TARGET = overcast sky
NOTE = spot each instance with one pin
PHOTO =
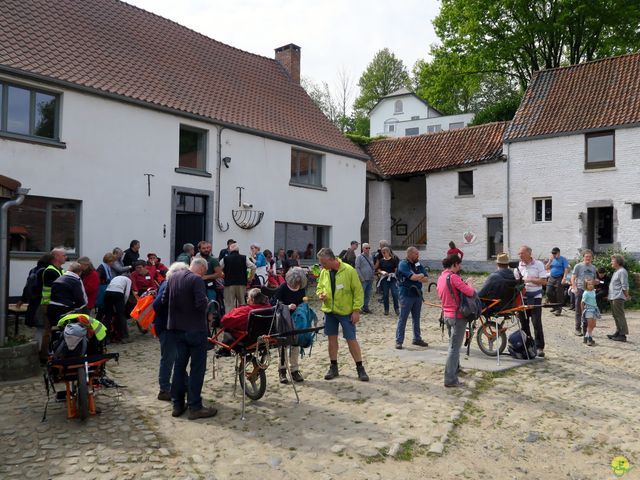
(333, 34)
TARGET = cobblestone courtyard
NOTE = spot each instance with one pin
(565, 417)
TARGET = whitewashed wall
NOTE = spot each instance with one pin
(554, 167)
(450, 215)
(379, 211)
(111, 145)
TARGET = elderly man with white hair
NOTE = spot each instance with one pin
(235, 267)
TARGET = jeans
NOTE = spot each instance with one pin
(390, 286)
(578, 304)
(555, 292)
(114, 315)
(617, 310)
(167, 359)
(189, 346)
(366, 286)
(535, 315)
(408, 305)
(458, 327)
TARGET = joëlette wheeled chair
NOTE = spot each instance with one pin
(77, 357)
(267, 328)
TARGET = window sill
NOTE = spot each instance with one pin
(34, 140)
(465, 196)
(193, 171)
(304, 185)
(604, 168)
(17, 255)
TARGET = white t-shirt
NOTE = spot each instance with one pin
(120, 284)
(535, 269)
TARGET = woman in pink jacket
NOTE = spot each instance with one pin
(458, 325)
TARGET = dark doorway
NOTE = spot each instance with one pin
(191, 215)
(495, 239)
(600, 234)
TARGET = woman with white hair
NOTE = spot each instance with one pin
(291, 293)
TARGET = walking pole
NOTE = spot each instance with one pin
(497, 340)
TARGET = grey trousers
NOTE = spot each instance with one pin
(458, 327)
(234, 294)
(617, 310)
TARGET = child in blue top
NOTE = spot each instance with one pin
(590, 311)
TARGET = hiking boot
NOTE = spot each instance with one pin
(332, 372)
(590, 342)
(362, 375)
(204, 412)
(454, 385)
(178, 411)
(579, 332)
(398, 346)
(613, 335)
(541, 353)
(620, 338)
(164, 396)
(297, 377)
(282, 374)
(397, 312)
(386, 313)
(584, 340)
(420, 343)
(557, 314)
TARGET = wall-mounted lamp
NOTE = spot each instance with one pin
(226, 161)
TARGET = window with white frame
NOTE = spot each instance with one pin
(456, 125)
(29, 112)
(434, 128)
(390, 125)
(412, 131)
(397, 107)
(40, 224)
(306, 168)
(542, 210)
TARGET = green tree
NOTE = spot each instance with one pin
(514, 38)
(385, 74)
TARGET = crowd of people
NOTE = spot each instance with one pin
(184, 291)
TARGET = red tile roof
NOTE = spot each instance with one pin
(110, 47)
(589, 96)
(437, 151)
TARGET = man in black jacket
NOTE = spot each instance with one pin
(67, 293)
(185, 297)
(235, 268)
(500, 284)
(131, 254)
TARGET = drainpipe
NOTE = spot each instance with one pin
(218, 173)
(4, 257)
(508, 229)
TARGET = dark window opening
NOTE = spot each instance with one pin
(192, 148)
(25, 111)
(635, 211)
(465, 183)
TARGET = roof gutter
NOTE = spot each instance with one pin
(175, 111)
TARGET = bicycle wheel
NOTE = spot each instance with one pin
(487, 339)
(82, 394)
(256, 378)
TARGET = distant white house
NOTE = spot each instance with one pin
(402, 113)
(154, 132)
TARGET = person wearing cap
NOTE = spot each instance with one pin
(349, 255)
(500, 284)
(558, 268)
(158, 266)
(366, 272)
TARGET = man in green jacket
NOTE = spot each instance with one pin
(342, 297)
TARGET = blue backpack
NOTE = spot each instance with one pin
(303, 319)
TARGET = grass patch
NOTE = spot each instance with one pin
(379, 458)
(408, 450)
(359, 401)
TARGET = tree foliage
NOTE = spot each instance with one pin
(385, 74)
(514, 38)
(500, 111)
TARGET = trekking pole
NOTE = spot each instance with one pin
(497, 340)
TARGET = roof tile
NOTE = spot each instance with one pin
(116, 48)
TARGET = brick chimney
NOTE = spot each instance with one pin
(289, 57)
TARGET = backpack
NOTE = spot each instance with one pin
(71, 343)
(304, 319)
(469, 307)
(522, 347)
(33, 282)
(284, 325)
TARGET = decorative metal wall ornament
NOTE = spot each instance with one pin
(246, 218)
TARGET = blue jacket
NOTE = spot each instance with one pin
(162, 311)
(407, 287)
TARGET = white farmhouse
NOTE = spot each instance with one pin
(403, 113)
(429, 190)
(574, 159)
(125, 125)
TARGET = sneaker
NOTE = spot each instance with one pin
(420, 343)
(204, 412)
(164, 396)
(297, 377)
(558, 314)
(362, 375)
(397, 312)
(398, 346)
(178, 411)
(541, 352)
(386, 313)
(590, 342)
(365, 311)
(579, 333)
(612, 336)
(454, 385)
(585, 339)
(332, 372)
(282, 374)
(620, 338)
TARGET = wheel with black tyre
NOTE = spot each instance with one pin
(255, 377)
(82, 394)
(488, 341)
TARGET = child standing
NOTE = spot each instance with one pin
(590, 311)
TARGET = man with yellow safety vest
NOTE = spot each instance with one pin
(49, 275)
